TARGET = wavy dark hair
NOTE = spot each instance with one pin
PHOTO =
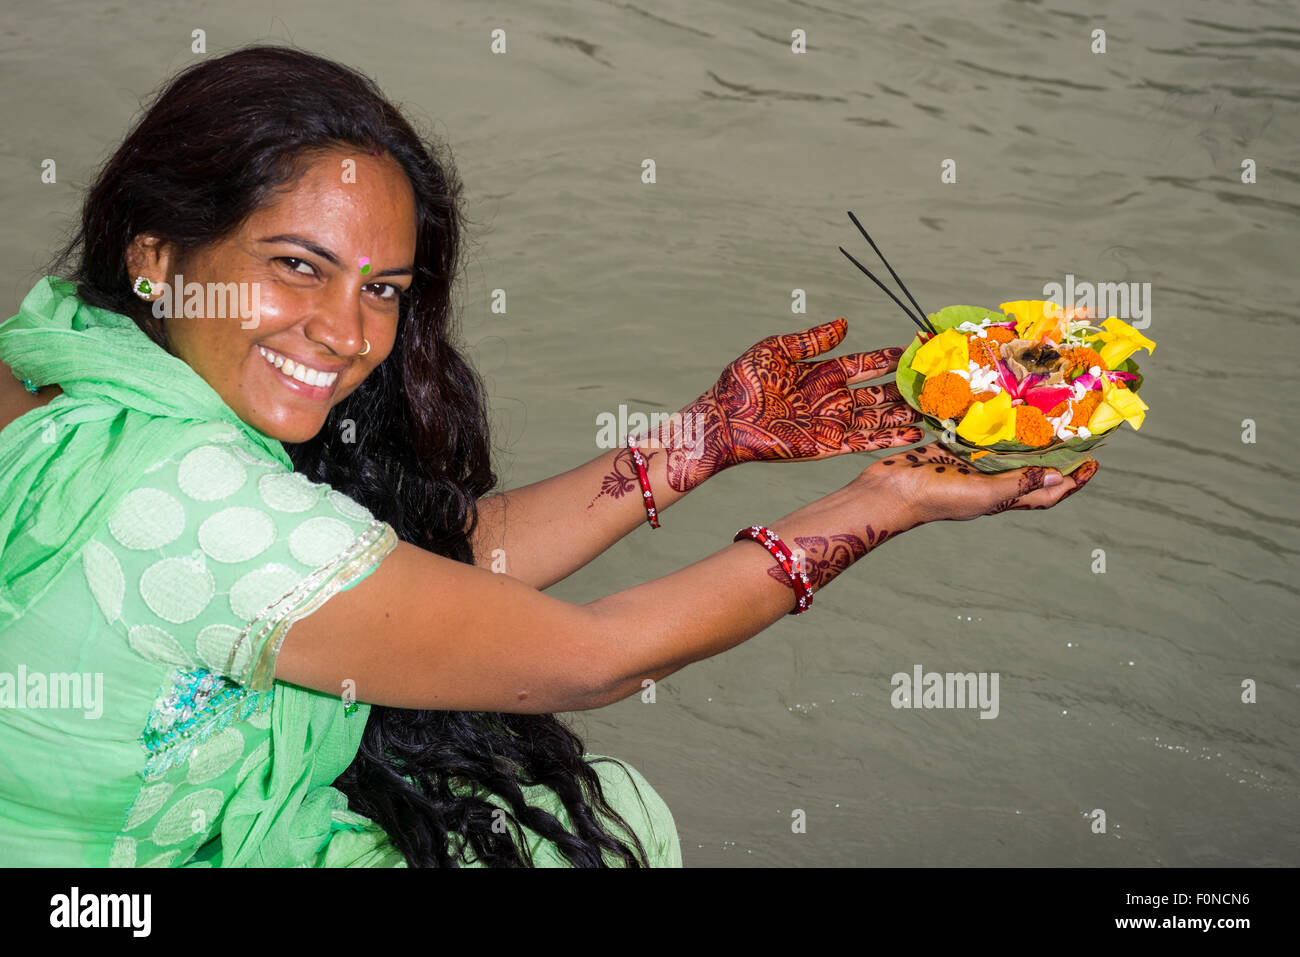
(215, 145)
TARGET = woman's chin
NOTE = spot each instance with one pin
(288, 430)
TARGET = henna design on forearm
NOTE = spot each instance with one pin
(623, 478)
(825, 557)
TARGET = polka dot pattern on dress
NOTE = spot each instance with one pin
(215, 539)
(209, 473)
(319, 540)
(177, 589)
(147, 518)
(215, 756)
(255, 591)
(150, 641)
(288, 491)
(236, 534)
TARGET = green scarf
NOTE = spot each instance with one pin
(125, 403)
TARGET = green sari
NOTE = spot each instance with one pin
(154, 551)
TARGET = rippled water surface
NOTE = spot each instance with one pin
(1118, 690)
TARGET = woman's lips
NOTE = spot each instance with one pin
(299, 377)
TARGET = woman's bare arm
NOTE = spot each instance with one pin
(544, 532)
(770, 404)
(423, 631)
(427, 632)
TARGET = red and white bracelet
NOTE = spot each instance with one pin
(769, 540)
(639, 459)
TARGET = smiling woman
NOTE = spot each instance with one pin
(275, 542)
(186, 542)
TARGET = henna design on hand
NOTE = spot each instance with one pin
(1030, 479)
(938, 461)
(768, 405)
(1079, 476)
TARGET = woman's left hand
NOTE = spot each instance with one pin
(769, 405)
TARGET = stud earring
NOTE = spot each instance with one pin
(143, 288)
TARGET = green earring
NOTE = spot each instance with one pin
(142, 287)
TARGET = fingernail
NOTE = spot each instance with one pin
(1054, 478)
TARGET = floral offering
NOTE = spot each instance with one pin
(1033, 384)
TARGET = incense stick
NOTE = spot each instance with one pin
(925, 327)
(924, 322)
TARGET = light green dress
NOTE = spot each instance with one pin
(168, 755)
(140, 722)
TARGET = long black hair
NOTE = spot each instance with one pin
(213, 147)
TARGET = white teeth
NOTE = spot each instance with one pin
(297, 370)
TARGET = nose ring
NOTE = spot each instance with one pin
(366, 349)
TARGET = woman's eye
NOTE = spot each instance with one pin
(391, 292)
(290, 261)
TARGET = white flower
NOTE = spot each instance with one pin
(980, 329)
(1061, 425)
(983, 379)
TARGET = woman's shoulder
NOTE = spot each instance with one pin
(219, 463)
(16, 400)
(220, 542)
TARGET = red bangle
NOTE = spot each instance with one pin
(769, 540)
(639, 459)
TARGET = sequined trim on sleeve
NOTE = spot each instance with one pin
(267, 631)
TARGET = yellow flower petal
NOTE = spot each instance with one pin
(943, 353)
(1121, 341)
(1035, 318)
(988, 422)
(1117, 405)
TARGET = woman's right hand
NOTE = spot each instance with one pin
(937, 486)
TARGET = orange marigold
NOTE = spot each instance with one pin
(983, 352)
(1084, 408)
(945, 396)
(1032, 427)
(1058, 409)
(1000, 335)
(1081, 359)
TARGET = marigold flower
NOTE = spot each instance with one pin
(1084, 408)
(1032, 427)
(1081, 359)
(999, 335)
(945, 396)
(983, 352)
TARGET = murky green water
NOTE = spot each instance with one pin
(1119, 690)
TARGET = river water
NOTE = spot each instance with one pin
(1120, 690)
